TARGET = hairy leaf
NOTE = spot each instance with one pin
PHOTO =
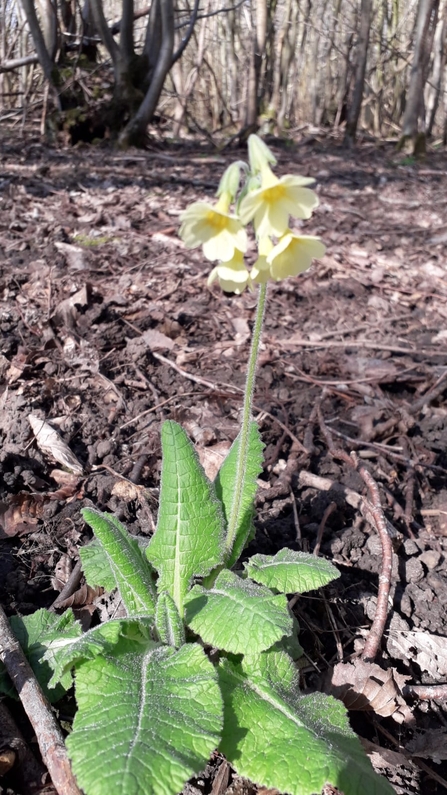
(236, 615)
(291, 572)
(168, 622)
(65, 652)
(146, 722)
(37, 634)
(226, 489)
(292, 742)
(188, 541)
(130, 569)
(96, 566)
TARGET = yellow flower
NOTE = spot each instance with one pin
(220, 233)
(293, 254)
(233, 275)
(276, 199)
(260, 271)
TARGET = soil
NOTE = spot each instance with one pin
(108, 328)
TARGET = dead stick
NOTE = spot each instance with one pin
(375, 515)
(375, 633)
(426, 692)
(47, 730)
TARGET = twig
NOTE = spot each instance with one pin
(70, 586)
(234, 392)
(375, 633)
(426, 692)
(375, 346)
(376, 517)
(330, 509)
(46, 728)
(435, 391)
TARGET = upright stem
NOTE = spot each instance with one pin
(246, 419)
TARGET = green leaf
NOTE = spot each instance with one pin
(146, 722)
(281, 739)
(291, 572)
(225, 483)
(37, 635)
(188, 541)
(96, 566)
(65, 652)
(236, 614)
(168, 622)
(131, 571)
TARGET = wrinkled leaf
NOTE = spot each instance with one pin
(226, 480)
(36, 634)
(291, 572)
(279, 738)
(188, 541)
(236, 615)
(132, 574)
(146, 722)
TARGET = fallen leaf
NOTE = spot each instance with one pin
(51, 444)
(364, 686)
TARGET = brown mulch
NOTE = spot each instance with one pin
(108, 328)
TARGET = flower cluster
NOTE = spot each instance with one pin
(268, 202)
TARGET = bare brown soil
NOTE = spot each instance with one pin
(108, 328)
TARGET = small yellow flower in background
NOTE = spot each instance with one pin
(293, 254)
(233, 275)
(220, 233)
(271, 205)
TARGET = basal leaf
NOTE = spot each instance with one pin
(130, 569)
(146, 722)
(188, 541)
(291, 572)
(240, 515)
(169, 625)
(281, 739)
(236, 614)
(37, 634)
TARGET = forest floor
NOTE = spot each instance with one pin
(108, 328)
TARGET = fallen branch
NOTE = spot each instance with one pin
(48, 733)
(374, 514)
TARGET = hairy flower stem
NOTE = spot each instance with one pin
(246, 420)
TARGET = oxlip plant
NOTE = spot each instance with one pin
(206, 657)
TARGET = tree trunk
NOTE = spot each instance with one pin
(38, 40)
(433, 91)
(251, 116)
(414, 109)
(361, 57)
(135, 130)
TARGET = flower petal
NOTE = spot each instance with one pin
(293, 255)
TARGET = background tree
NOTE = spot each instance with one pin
(220, 67)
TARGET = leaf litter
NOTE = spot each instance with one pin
(109, 328)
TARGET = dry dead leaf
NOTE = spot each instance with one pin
(127, 491)
(68, 486)
(368, 687)
(21, 515)
(52, 445)
(213, 457)
(150, 340)
(75, 256)
(85, 595)
(62, 571)
(428, 651)
(66, 311)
